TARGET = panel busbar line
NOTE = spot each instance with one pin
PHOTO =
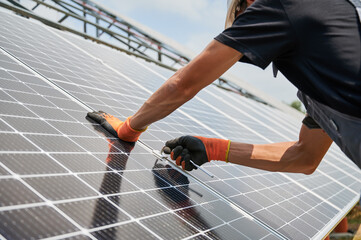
(336, 188)
(113, 94)
(136, 191)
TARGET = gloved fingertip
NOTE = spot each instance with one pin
(187, 163)
(178, 160)
(176, 152)
(166, 150)
(172, 143)
(184, 165)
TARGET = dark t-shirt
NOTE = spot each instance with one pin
(316, 44)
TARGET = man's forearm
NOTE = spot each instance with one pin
(282, 157)
(185, 83)
(302, 156)
(164, 101)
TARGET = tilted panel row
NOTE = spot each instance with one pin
(297, 205)
(117, 84)
(63, 176)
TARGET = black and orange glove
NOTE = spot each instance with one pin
(198, 149)
(117, 128)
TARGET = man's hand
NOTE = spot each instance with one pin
(198, 149)
(117, 128)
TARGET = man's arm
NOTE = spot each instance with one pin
(209, 65)
(302, 156)
(215, 59)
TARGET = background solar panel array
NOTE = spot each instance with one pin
(49, 145)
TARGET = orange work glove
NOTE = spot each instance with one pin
(117, 128)
(198, 149)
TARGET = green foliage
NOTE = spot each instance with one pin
(297, 105)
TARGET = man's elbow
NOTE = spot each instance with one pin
(308, 161)
(310, 168)
(299, 159)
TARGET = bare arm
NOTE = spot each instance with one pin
(302, 156)
(215, 59)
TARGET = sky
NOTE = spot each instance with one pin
(194, 24)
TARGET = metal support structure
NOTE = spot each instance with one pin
(97, 29)
(37, 5)
(159, 55)
(130, 36)
(84, 15)
(15, 3)
(130, 39)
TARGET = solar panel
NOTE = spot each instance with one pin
(253, 130)
(73, 180)
(65, 178)
(71, 176)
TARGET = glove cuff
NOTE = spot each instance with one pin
(127, 133)
(217, 149)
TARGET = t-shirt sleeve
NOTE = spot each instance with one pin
(262, 33)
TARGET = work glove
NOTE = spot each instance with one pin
(117, 128)
(198, 149)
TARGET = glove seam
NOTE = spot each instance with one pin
(136, 130)
(227, 152)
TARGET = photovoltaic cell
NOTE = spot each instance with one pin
(33, 222)
(106, 213)
(118, 84)
(126, 231)
(28, 164)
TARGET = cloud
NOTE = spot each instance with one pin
(198, 41)
(280, 88)
(203, 12)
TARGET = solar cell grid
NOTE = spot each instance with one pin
(80, 74)
(47, 178)
(337, 192)
(38, 222)
(264, 198)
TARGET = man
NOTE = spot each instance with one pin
(316, 44)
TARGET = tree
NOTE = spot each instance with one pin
(297, 105)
